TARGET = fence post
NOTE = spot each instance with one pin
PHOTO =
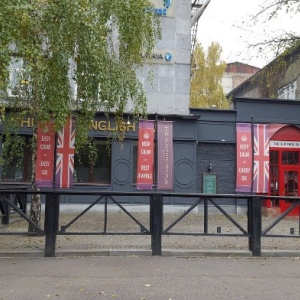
(255, 226)
(156, 219)
(51, 223)
(5, 210)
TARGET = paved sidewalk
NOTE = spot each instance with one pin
(176, 245)
(149, 278)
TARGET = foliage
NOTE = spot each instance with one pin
(271, 10)
(207, 72)
(274, 76)
(76, 56)
(284, 46)
(73, 57)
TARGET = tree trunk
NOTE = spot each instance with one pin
(35, 207)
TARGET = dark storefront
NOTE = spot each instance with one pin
(204, 144)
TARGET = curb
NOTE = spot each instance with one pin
(129, 252)
(145, 252)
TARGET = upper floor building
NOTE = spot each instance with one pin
(280, 79)
(235, 74)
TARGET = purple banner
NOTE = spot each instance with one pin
(165, 155)
(243, 158)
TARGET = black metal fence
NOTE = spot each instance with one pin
(16, 200)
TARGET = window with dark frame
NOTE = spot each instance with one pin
(290, 157)
(18, 168)
(85, 172)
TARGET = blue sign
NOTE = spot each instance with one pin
(168, 56)
(167, 3)
(162, 11)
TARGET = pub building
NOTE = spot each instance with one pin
(259, 137)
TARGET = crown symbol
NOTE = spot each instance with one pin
(244, 138)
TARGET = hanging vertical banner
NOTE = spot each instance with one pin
(145, 163)
(261, 158)
(65, 156)
(45, 156)
(243, 158)
(165, 157)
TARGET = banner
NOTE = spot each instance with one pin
(145, 164)
(244, 158)
(261, 158)
(45, 156)
(65, 156)
(165, 159)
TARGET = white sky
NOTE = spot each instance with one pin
(228, 22)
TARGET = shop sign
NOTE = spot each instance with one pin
(102, 125)
(164, 8)
(45, 156)
(285, 144)
(161, 57)
(244, 158)
(145, 164)
(165, 156)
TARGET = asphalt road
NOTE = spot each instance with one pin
(149, 278)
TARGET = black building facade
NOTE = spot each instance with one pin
(204, 144)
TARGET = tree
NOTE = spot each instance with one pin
(283, 40)
(283, 45)
(207, 72)
(74, 57)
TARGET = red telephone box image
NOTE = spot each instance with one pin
(284, 167)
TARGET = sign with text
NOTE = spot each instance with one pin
(244, 154)
(284, 144)
(45, 156)
(165, 155)
(164, 8)
(145, 164)
(209, 183)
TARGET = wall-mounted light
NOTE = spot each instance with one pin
(128, 121)
(210, 167)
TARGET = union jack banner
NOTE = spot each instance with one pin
(261, 158)
(65, 156)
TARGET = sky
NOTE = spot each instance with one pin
(230, 23)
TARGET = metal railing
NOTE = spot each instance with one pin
(253, 230)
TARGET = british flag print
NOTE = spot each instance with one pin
(261, 158)
(65, 156)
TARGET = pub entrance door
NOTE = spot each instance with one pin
(289, 187)
(284, 177)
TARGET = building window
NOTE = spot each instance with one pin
(288, 91)
(18, 160)
(290, 157)
(19, 79)
(85, 172)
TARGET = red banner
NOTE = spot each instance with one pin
(45, 156)
(145, 164)
(65, 156)
(261, 158)
(244, 158)
(165, 155)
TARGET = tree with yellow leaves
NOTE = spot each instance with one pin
(207, 72)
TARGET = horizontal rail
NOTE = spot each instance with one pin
(253, 232)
